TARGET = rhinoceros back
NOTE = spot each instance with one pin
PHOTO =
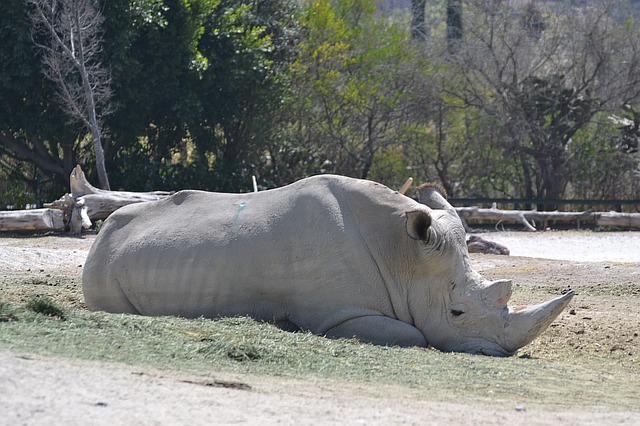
(275, 255)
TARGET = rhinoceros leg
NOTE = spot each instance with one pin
(379, 330)
(107, 296)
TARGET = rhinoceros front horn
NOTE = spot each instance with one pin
(524, 325)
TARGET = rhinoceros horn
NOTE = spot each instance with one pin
(522, 326)
(435, 196)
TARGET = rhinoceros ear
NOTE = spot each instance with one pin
(418, 223)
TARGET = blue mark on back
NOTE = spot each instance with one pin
(241, 206)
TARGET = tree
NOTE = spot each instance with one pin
(358, 82)
(543, 81)
(36, 145)
(604, 163)
(247, 46)
(73, 34)
(196, 84)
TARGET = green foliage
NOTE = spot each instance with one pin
(203, 81)
(210, 92)
(357, 80)
(247, 46)
(15, 194)
(32, 127)
(600, 169)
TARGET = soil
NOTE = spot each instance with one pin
(602, 321)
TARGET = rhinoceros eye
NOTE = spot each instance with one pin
(456, 313)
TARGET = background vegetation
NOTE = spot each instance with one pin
(490, 98)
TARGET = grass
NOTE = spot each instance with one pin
(241, 345)
(45, 306)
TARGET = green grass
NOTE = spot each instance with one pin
(241, 345)
(45, 306)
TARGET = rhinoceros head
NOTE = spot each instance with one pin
(465, 312)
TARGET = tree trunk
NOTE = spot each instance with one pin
(418, 24)
(454, 25)
(92, 118)
(72, 63)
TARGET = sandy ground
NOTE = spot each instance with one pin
(571, 245)
(37, 391)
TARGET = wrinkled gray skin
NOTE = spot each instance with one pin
(337, 256)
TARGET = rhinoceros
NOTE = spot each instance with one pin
(332, 255)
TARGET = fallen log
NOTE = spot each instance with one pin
(80, 187)
(529, 219)
(87, 203)
(469, 214)
(32, 220)
(615, 219)
(76, 210)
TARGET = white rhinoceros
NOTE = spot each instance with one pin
(336, 256)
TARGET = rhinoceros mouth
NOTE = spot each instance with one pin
(496, 352)
(482, 347)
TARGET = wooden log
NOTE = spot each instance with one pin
(75, 210)
(80, 187)
(493, 214)
(560, 217)
(100, 206)
(618, 220)
(32, 220)
(86, 203)
(529, 218)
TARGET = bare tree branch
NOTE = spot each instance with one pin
(542, 87)
(72, 47)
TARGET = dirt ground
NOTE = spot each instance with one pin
(603, 320)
